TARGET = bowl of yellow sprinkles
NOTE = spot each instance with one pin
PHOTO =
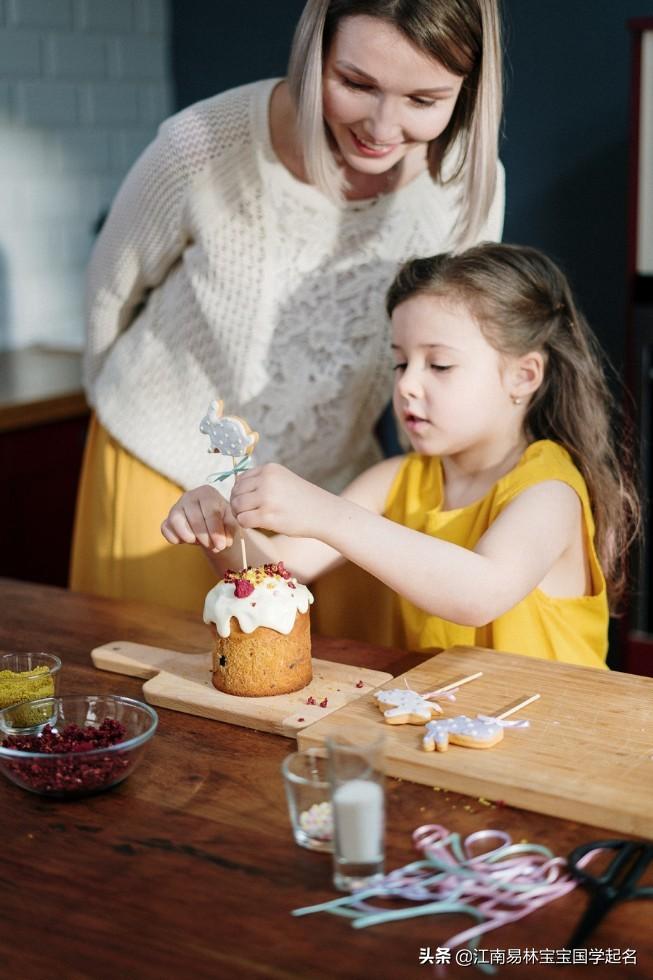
(27, 677)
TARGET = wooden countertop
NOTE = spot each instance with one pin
(39, 385)
(188, 868)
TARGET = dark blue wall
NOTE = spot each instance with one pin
(217, 44)
(566, 126)
(565, 146)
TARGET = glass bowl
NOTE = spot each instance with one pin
(28, 677)
(81, 769)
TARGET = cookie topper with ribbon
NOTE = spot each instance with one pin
(481, 732)
(403, 706)
(229, 435)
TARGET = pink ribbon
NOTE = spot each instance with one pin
(503, 890)
(444, 696)
(483, 875)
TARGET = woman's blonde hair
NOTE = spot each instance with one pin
(465, 37)
(523, 302)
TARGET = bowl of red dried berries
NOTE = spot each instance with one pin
(75, 744)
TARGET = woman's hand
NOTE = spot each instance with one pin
(201, 516)
(273, 498)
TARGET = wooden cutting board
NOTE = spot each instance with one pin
(182, 681)
(587, 755)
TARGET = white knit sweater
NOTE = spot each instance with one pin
(220, 275)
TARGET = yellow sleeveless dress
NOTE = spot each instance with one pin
(570, 630)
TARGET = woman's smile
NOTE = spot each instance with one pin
(369, 148)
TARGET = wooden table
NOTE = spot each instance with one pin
(188, 869)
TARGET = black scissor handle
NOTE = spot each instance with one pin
(583, 849)
(624, 870)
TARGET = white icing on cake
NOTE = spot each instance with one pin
(274, 603)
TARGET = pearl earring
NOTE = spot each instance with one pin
(515, 401)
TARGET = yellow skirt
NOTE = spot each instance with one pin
(118, 551)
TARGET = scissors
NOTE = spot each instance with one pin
(618, 883)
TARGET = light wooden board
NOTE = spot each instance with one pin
(587, 755)
(182, 681)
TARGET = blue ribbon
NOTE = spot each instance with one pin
(240, 467)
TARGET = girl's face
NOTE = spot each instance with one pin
(383, 98)
(452, 388)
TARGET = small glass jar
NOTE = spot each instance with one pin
(28, 677)
(309, 799)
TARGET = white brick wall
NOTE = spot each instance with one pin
(106, 15)
(39, 13)
(19, 54)
(83, 86)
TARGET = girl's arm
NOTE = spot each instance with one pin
(203, 516)
(470, 587)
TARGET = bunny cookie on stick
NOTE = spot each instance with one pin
(481, 732)
(402, 706)
(229, 435)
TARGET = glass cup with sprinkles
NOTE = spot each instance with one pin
(27, 677)
(309, 799)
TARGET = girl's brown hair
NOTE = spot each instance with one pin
(523, 302)
(465, 37)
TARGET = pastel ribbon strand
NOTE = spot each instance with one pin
(243, 464)
(490, 719)
(501, 883)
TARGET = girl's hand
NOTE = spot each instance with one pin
(273, 498)
(201, 516)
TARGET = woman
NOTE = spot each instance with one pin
(247, 255)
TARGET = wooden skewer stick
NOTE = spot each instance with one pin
(243, 552)
(516, 706)
(450, 687)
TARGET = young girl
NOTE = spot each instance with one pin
(508, 525)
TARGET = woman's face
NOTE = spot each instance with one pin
(383, 97)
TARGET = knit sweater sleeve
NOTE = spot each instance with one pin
(141, 239)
